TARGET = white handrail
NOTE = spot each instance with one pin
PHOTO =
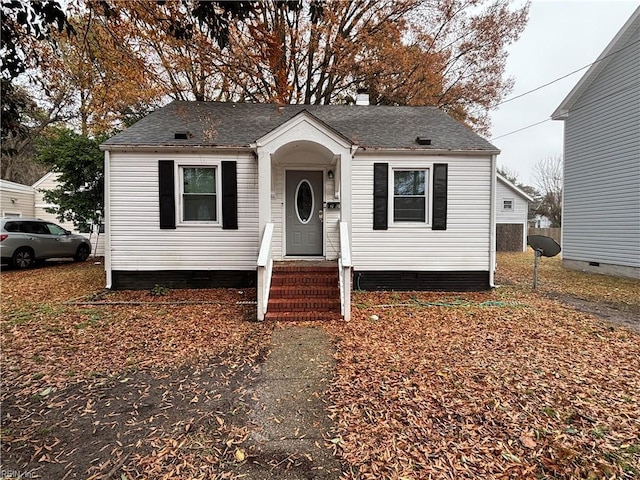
(265, 246)
(265, 267)
(345, 246)
(344, 272)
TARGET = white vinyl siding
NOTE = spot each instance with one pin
(464, 246)
(518, 213)
(16, 199)
(138, 243)
(601, 210)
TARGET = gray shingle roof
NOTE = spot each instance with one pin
(240, 124)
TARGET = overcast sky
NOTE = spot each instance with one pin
(560, 37)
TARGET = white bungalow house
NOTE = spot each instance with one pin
(512, 213)
(210, 194)
(601, 204)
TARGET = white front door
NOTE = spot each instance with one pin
(304, 210)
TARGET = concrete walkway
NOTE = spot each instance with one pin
(292, 427)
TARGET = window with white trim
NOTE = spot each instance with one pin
(199, 192)
(507, 204)
(410, 195)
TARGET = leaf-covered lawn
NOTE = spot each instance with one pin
(55, 326)
(136, 384)
(515, 271)
(502, 384)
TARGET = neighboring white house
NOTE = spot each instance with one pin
(208, 193)
(540, 221)
(16, 200)
(49, 182)
(512, 211)
(601, 204)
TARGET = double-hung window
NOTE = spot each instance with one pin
(410, 195)
(199, 194)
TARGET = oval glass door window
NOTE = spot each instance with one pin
(304, 201)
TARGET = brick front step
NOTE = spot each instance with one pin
(304, 291)
(283, 279)
(284, 267)
(303, 305)
(302, 316)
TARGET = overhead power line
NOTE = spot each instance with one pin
(595, 100)
(567, 75)
(520, 129)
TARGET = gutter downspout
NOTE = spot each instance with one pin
(492, 229)
(107, 218)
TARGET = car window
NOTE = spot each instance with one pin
(56, 229)
(14, 227)
(36, 227)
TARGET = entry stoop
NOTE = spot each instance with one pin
(304, 291)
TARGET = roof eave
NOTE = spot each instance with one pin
(171, 146)
(513, 187)
(596, 67)
(430, 151)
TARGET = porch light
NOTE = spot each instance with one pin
(330, 174)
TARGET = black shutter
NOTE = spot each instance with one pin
(440, 172)
(229, 196)
(380, 195)
(167, 197)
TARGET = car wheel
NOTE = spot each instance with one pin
(22, 258)
(82, 253)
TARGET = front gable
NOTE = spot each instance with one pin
(303, 127)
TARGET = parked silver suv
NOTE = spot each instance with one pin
(24, 241)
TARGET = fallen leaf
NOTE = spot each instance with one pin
(240, 456)
(527, 441)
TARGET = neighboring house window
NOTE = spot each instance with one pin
(410, 195)
(199, 194)
(507, 204)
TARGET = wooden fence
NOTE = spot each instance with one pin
(555, 233)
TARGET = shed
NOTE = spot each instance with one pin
(512, 213)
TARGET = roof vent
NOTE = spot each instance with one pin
(423, 141)
(182, 135)
(362, 96)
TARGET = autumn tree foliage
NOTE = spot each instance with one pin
(447, 53)
(18, 151)
(180, 42)
(549, 179)
(99, 77)
(23, 24)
